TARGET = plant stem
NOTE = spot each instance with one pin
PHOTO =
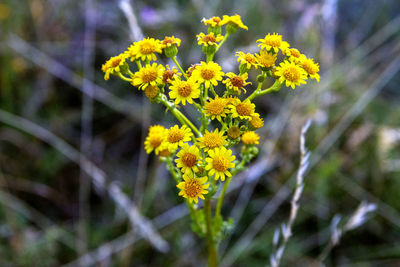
(179, 67)
(222, 41)
(258, 92)
(221, 197)
(212, 250)
(124, 77)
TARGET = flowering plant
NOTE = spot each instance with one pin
(200, 159)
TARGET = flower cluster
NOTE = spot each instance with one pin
(200, 158)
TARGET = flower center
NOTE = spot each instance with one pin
(151, 91)
(220, 163)
(216, 107)
(189, 159)
(147, 48)
(274, 41)
(207, 74)
(193, 188)
(291, 74)
(209, 38)
(175, 136)
(115, 62)
(309, 67)
(168, 75)
(267, 60)
(294, 52)
(212, 140)
(237, 81)
(184, 89)
(243, 109)
(234, 132)
(155, 141)
(168, 40)
(149, 75)
(249, 58)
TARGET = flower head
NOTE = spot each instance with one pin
(234, 21)
(212, 140)
(113, 66)
(193, 188)
(170, 41)
(243, 110)
(183, 91)
(256, 122)
(266, 59)
(293, 54)
(148, 75)
(248, 60)
(233, 132)
(155, 138)
(216, 108)
(218, 163)
(236, 82)
(310, 67)
(291, 74)
(176, 137)
(273, 42)
(208, 73)
(213, 22)
(151, 91)
(209, 39)
(250, 138)
(169, 74)
(144, 50)
(187, 160)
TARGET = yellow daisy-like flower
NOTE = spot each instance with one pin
(256, 122)
(234, 20)
(266, 59)
(216, 108)
(247, 59)
(243, 110)
(209, 39)
(169, 74)
(208, 73)
(187, 160)
(219, 161)
(273, 42)
(212, 140)
(183, 91)
(293, 54)
(155, 138)
(176, 137)
(291, 74)
(236, 82)
(170, 41)
(250, 138)
(310, 67)
(213, 22)
(151, 91)
(148, 75)
(144, 50)
(193, 188)
(231, 100)
(113, 66)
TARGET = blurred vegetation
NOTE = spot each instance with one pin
(51, 216)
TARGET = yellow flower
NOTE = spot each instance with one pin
(310, 67)
(148, 75)
(144, 49)
(266, 59)
(183, 91)
(170, 41)
(273, 42)
(151, 91)
(213, 22)
(234, 20)
(209, 39)
(169, 74)
(155, 138)
(187, 160)
(256, 122)
(249, 60)
(176, 137)
(208, 73)
(216, 108)
(219, 161)
(233, 132)
(250, 138)
(243, 110)
(236, 82)
(212, 140)
(291, 74)
(113, 66)
(193, 188)
(293, 54)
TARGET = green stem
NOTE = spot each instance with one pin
(179, 115)
(212, 250)
(124, 77)
(275, 87)
(222, 41)
(179, 67)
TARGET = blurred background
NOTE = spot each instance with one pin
(77, 188)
